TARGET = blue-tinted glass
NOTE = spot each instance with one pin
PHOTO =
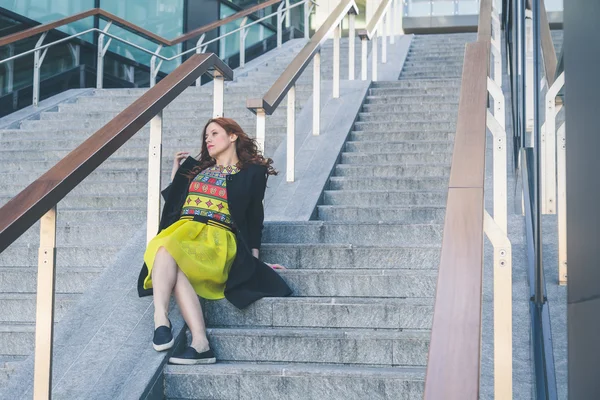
(230, 45)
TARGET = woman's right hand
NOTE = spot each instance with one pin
(179, 157)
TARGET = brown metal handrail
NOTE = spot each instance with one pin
(548, 51)
(290, 75)
(132, 27)
(375, 21)
(22, 211)
(453, 367)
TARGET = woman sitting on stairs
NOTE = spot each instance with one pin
(209, 237)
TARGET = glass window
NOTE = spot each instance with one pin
(230, 45)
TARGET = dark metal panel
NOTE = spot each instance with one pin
(582, 102)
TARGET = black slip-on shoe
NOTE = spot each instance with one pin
(190, 356)
(163, 338)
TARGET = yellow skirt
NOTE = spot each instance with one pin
(203, 252)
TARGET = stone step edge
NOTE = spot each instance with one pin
(298, 370)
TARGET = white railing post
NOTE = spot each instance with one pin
(374, 56)
(154, 176)
(279, 22)
(549, 147)
(291, 134)
(351, 40)
(499, 172)
(503, 386)
(10, 69)
(219, 87)
(336, 61)
(38, 58)
(392, 19)
(199, 50)
(102, 49)
(44, 316)
(288, 20)
(154, 67)
(399, 16)
(363, 60)
(317, 93)
(307, 9)
(261, 127)
(383, 28)
(561, 177)
(243, 34)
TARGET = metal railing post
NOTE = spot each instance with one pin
(307, 8)
(154, 176)
(10, 69)
(219, 87)
(44, 319)
(154, 68)
(374, 56)
(549, 151)
(317, 93)
(561, 177)
(336, 61)
(243, 34)
(102, 49)
(279, 22)
(383, 28)
(199, 50)
(363, 65)
(503, 386)
(288, 20)
(37, 65)
(392, 20)
(291, 133)
(261, 128)
(399, 16)
(351, 41)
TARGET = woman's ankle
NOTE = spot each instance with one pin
(161, 319)
(200, 345)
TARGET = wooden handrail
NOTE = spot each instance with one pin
(453, 366)
(548, 51)
(132, 27)
(374, 21)
(26, 208)
(286, 80)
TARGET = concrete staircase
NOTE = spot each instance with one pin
(364, 274)
(99, 216)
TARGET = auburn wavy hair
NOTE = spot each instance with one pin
(246, 147)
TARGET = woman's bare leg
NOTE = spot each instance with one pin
(164, 278)
(190, 307)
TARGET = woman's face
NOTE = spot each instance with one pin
(218, 140)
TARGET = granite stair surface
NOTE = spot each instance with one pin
(101, 214)
(364, 272)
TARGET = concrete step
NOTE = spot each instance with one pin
(423, 83)
(374, 148)
(17, 339)
(405, 125)
(450, 115)
(348, 346)
(8, 364)
(355, 233)
(396, 158)
(343, 183)
(415, 138)
(68, 279)
(423, 57)
(413, 91)
(428, 100)
(374, 198)
(432, 65)
(392, 171)
(21, 307)
(311, 256)
(99, 202)
(417, 214)
(323, 312)
(411, 108)
(429, 74)
(301, 381)
(66, 256)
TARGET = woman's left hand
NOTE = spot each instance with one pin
(276, 266)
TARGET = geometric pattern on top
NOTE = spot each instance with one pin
(207, 194)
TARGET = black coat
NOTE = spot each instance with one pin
(249, 279)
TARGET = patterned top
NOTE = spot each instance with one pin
(207, 195)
